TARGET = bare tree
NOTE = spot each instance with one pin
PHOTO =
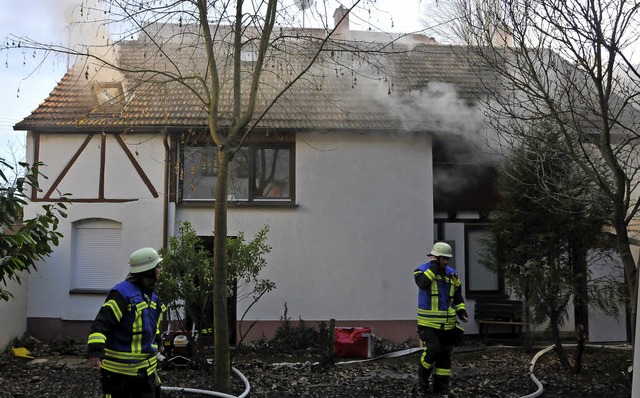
(568, 62)
(231, 61)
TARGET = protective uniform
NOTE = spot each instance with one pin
(125, 333)
(439, 302)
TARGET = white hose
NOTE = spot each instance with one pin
(540, 389)
(214, 393)
(394, 354)
(538, 392)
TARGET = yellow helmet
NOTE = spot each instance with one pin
(144, 259)
(441, 249)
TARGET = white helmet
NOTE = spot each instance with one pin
(143, 260)
(441, 249)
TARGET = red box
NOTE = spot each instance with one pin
(353, 342)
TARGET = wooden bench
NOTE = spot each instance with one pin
(499, 312)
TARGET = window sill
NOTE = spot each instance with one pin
(265, 203)
(486, 295)
(92, 292)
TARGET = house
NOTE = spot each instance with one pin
(356, 170)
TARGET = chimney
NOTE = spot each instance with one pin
(500, 37)
(341, 20)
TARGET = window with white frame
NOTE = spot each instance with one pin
(480, 281)
(96, 249)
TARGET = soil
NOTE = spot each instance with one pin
(59, 370)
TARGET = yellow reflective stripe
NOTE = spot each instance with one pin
(430, 274)
(126, 355)
(114, 308)
(438, 319)
(461, 306)
(97, 338)
(131, 369)
(136, 339)
(452, 290)
(434, 295)
(442, 372)
(422, 357)
(447, 325)
(162, 308)
(443, 313)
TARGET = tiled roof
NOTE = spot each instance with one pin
(331, 97)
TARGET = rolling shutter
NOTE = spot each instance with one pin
(97, 247)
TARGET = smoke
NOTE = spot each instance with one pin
(464, 149)
(87, 26)
(439, 110)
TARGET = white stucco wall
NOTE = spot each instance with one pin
(363, 221)
(604, 328)
(141, 219)
(13, 313)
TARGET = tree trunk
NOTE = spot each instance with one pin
(581, 307)
(222, 355)
(555, 331)
(631, 277)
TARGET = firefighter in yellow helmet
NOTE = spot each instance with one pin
(439, 302)
(124, 338)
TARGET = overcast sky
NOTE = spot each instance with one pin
(25, 85)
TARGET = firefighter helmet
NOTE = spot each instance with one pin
(441, 249)
(144, 259)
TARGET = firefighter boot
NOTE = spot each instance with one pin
(423, 379)
(441, 386)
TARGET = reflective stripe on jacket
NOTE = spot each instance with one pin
(438, 304)
(130, 345)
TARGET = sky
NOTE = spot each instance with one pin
(26, 80)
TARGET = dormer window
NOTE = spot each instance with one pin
(109, 97)
(249, 56)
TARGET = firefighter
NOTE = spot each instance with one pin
(124, 338)
(439, 302)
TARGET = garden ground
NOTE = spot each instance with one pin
(59, 370)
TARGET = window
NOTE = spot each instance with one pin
(96, 252)
(260, 173)
(480, 281)
(108, 97)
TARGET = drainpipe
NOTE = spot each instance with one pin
(635, 373)
(167, 170)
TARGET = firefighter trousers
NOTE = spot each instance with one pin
(116, 385)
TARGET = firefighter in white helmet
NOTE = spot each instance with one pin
(439, 302)
(124, 338)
